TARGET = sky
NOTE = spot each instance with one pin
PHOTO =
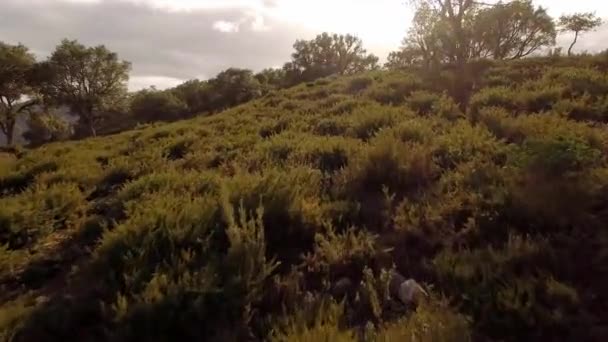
(170, 41)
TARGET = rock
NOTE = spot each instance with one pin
(407, 290)
(411, 292)
(342, 287)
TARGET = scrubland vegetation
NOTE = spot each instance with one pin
(281, 211)
(237, 225)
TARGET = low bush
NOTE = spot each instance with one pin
(286, 218)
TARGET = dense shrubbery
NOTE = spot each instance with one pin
(282, 219)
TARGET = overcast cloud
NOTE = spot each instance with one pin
(169, 41)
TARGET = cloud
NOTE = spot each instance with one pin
(141, 82)
(164, 46)
(226, 26)
(169, 40)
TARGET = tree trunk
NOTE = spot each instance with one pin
(572, 45)
(10, 130)
(90, 121)
(93, 131)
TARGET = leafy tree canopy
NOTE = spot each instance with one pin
(87, 79)
(328, 54)
(578, 23)
(16, 63)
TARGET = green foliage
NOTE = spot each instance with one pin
(394, 90)
(503, 280)
(367, 123)
(430, 322)
(152, 105)
(15, 83)
(251, 224)
(335, 250)
(578, 23)
(388, 162)
(513, 30)
(40, 211)
(317, 321)
(444, 31)
(579, 81)
(87, 79)
(11, 313)
(232, 87)
(326, 55)
(359, 84)
(46, 127)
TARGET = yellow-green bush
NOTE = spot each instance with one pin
(486, 184)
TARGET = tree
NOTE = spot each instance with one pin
(195, 94)
(87, 79)
(454, 17)
(325, 55)
(456, 31)
(407, 57)
(229, 88)
(512, 30)
(578, 23)
(154, 105)
(232, 87)
(270, 79)
(428, 37)
(46, 126)
(16, 65)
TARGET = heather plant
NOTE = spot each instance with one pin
(284, 218)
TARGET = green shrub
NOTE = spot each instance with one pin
(394, 90)
(355, 246)
(359, 84)
(327, 154)
(423, 102)
(38, 212)
(447, 108)
(330, 127)
(367, 122)
(172, 182)
(463, 142)
(17, 181)
(493, 97)
(317, 321)
(509, 281)
(538, 100)
(348, 106)
(186, 286)
(583, 108)
(430, 322)
(416, 130)
(249, 224)
(292, 212)
(11, 315)
(274, 129)
(389, 162)
(558, 157)
(579, 81)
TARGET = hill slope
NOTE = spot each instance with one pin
(256, 222)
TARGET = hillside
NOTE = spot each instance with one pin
(281, 219)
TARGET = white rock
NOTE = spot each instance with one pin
(407, 290)
(411, 292)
